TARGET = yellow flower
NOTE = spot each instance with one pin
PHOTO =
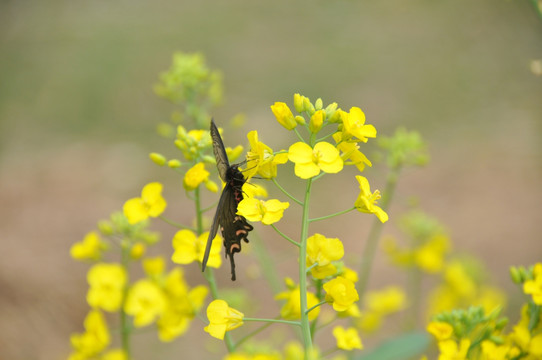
(291, 310)
(145, 302)
(189, 248)
(534, 287)
(322, 251)
(90, 248)
(366, 201)
(154, 267)
(195, 176)
(222, 318)
(137, 251)
(354, 125)
(284, 115)
(492, 351)
(107, 282)
(449, 349)
(440, 330)
(309, 161)
(386, 301)
(183, 304)
(261, 159)
(116, 354)
(347, 339)
(430, 255)
(521, 337)
(252, 190)
(350, 150)
(150, 204)
(268, 212)
(341, 292)
(95, 338)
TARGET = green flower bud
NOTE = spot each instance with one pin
(515, 274)
(174, 163)
(300, 120)
(105, 227)
(158, 159)
(319, 104)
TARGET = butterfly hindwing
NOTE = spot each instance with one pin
(214, 227)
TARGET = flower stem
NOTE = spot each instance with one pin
(289, 322)
(285, 236)
(125, 328)
(209, 273)
(315, 306)
(176, 224)
(332, 215)
(374, 234)
(286, 192)
(305, 324)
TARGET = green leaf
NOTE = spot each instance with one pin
(407, 346)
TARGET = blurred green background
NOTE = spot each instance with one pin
(78, 115)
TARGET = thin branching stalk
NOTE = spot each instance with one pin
(371, 245)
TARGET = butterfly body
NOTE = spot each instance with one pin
(233, 227)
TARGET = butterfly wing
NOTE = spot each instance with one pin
(222, 162)
(234, 227)
(226, 193)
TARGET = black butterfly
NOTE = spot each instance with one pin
(234, 227)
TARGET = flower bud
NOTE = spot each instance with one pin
(174, 163)
(298, 103)
(318, 104)
(515, 274)
(157, 158)
(300, 120)
(316, 122)
(284, 115)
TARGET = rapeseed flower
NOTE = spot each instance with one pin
(261, 160)
(310, 161)
(341, 293)
(95, 338)
(268, 212)
(189, 248)
(354, 125)
(451, 350)
(323, 251)
(222, 318)
(195, 176)
(533, 286)
(106, 286)
(90, 248)
(150, 204)
(145, 302)
(366, 201)
(291, 310)
(347, 339)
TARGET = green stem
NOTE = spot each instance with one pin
(269, 269)
(125, 328)
(299, 135)
(332, 215)
(176, 224)
(305, 324)
(286, 192)
(278, 321)
(285, 236)
(315, 306)
(209, 273)
(371, 245)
